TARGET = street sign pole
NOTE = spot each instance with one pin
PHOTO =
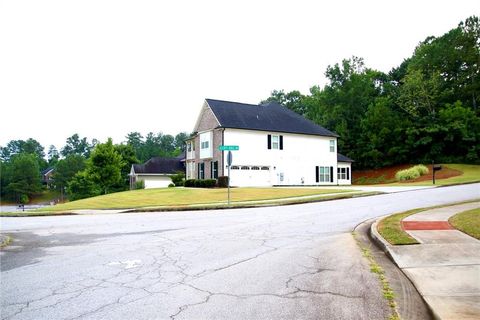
(229, 163)
(229, 185)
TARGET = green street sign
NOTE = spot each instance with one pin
(228, 148)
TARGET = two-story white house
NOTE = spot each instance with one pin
(276, 147)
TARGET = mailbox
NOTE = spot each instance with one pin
(437, 167)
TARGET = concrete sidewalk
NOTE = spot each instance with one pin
(445, 266)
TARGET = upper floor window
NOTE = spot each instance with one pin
(189, 146)
(204, 144)
(275, 142)
(332, 145)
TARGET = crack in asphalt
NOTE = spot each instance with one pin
(69, 291)
(168, 270)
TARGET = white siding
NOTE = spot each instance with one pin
(190, 169)
(206, 138)
(346, 165)
(294, 165)
(190, 149)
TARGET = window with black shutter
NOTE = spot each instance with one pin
(215, 170)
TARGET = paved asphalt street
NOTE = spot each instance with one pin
(288, 262)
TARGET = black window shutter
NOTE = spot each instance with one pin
(331, 174)
(211, 170)
(281, 142)
(348, 173)
(269, 141)
(198, 171)
(317, 174)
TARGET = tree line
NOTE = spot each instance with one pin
(424, 110)
(82, 168)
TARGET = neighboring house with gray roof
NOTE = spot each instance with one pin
(276, 147)
(156, 172)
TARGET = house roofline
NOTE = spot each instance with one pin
(306, 134)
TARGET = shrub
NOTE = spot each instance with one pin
(140, 184)
(82, 186)
(222, 182)
(407, 174)
(24, 199)
(178, 179)
(421, 169)
(209, 183)
(200, 183)
(190, 183)
(411, 173)
(171, 185)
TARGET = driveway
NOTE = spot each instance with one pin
(296, 261)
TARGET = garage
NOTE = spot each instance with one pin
(251, 176)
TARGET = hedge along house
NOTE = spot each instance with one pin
(277, 147)
(156, 172)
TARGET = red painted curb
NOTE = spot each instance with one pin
(426, 225)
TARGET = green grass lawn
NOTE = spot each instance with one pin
(468, 222)
(390, 228)
(181, 197)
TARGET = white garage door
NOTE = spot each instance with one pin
(156, 181)
(250, 176)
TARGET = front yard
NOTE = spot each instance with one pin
(182, 197)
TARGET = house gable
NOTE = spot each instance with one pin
(206, 119)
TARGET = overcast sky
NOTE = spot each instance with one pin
(105, 68)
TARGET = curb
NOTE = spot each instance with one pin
(385, 246)
(381, 242)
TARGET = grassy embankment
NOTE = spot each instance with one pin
(456, 174)
(467, 222)
(171, 198)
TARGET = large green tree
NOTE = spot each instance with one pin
(128, 158)
(29, 146)
(67, 168)
(82, 186)
(104, 166)
(77, 145)
(23, 176)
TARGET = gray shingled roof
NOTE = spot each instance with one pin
(342, 158)
(268, 117)
(159, 165)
